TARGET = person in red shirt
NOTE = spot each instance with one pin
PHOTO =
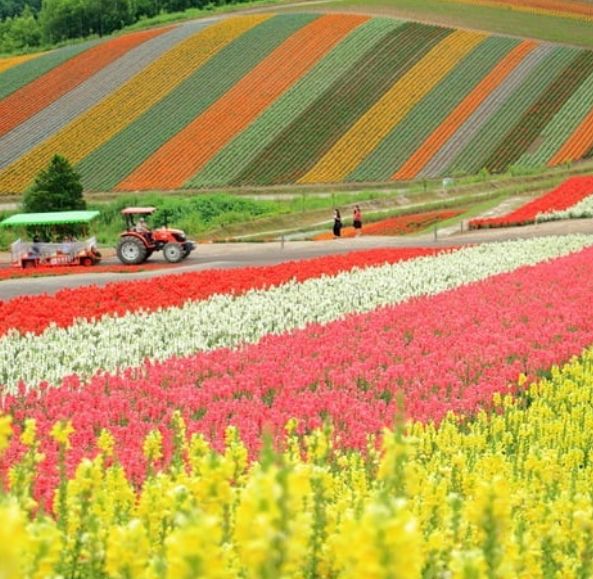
(357, 220)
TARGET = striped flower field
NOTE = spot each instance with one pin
(271, 99)
(410, 412)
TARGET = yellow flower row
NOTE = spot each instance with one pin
(10, 61)
(556, 8)
(98, 125)
(506, 494)
(368, 132)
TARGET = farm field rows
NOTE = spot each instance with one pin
(439, 433)
(356, 99)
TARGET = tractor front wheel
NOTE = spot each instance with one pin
(173, 252)
(131, 251)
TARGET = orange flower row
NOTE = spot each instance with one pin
(464, 110)
(33, 97)
(186, 153)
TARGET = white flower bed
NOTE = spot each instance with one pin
(226, 321)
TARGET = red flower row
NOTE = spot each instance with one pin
(563, 197)
(451, 351)
(34, 314)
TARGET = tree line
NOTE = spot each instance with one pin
(32, 24)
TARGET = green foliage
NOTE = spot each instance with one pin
(20, 33)
(12, 8)
(63, 19)
(31, 24)
(195, 215)
(56, 188)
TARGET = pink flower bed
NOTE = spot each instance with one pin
(35, 313)
(452, 351)
(563, 197)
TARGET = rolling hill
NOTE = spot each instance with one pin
(268, 99)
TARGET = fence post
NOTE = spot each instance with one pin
(436, 235)
(282, 241)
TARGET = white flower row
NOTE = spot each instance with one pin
(228, 321)
(582, 210)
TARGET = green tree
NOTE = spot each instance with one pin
(20, 33)
(56, 188)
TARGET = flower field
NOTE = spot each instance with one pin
(10, 61)
(395, 412)
(206, 104)
(35, 96)
(572, 199)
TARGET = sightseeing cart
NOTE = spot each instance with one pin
(38, 253)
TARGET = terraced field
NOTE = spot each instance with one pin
(295, 98)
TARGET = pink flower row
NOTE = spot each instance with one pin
(35, 314)
(563, 197)
(451, 351)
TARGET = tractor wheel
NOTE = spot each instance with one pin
(173, 252)
(131, 251)
(87, 261)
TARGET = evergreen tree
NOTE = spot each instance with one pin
(56, 188)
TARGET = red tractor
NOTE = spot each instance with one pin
(139, 242)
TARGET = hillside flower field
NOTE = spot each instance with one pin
(386, 413)
(310, 98)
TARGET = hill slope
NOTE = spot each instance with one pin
(308, 98)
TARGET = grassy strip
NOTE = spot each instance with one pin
(303, 142)
(523, 134)
(236, 156)
(497, 20)
(105, 167)
(18, 76)
(407, 136)
(491, 137)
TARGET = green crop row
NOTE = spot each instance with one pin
(231, 161)
(473, 157)
(527, 129)
(105, 167)
(18, 76)
(304, 141)
(429, 113)
(562, 126)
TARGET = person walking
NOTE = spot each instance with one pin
(337, 224)
(357, 220)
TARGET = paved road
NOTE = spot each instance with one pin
(232, 255)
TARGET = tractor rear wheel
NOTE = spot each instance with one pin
(173, 252)
(131, 251)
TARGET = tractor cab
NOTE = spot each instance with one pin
(135, 217)
(138, 242)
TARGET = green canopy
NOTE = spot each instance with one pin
(54, 218)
